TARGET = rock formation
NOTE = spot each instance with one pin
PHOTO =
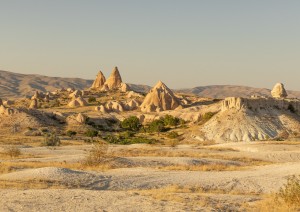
(80, 118)
(99, 81)
(160, 98)
(77, 102)
(101, 109)
(114, 81)
(34, 104)
(1, 102)
(279, 91)
(114, 106)
(256, 104)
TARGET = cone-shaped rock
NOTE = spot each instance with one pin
(99, 81)
(159, 98)
(114, 81)
(279, 91)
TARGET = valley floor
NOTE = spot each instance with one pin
(231, 176)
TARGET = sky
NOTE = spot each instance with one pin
(184, 43)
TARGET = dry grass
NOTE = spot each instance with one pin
(21, 140)
(33, 184)
(206, 167)
(7, 167)
(193, 196)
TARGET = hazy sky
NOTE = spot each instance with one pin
(185, 43)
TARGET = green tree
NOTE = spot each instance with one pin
(131, 123)
(157, 126)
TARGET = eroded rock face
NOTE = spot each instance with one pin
(160, 98)
(99, 81)
(256, 104)
(279, 91)
(114, 81)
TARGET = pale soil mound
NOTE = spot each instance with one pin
(59, 175)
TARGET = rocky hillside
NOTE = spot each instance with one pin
(223, 91)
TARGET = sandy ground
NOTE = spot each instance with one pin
(118, 189)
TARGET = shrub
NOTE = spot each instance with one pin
(125, 141)
(290, 192)
(71, 133)
(291, 108)
(12, 151)
(51, 139)
(131, 123)
(173, 135)
(171, 120)
(207, 116)
(91, 99)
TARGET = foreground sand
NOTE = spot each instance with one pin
(151, 178)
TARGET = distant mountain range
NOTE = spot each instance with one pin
(15, 85)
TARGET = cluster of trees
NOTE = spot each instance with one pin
(160, 125)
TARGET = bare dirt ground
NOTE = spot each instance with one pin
(231, 176)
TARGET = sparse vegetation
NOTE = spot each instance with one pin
(51, 139)
(71, 133)
(92, 99)
(12, 151)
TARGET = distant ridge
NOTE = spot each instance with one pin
(223, 91)
(15, 85)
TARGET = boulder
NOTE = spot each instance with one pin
(279, 91)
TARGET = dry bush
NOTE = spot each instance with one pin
(99, 155)
(12, 151)
(290, 192)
